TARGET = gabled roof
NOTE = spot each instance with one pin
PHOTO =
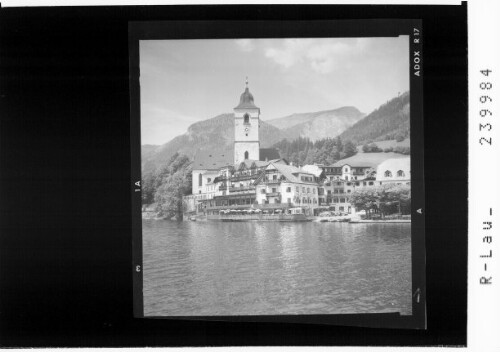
(367, 159)
(290, 172)
(210, 160)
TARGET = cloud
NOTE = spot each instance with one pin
(291, 53)
(246, 44)
(320, 55)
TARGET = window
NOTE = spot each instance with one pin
(314, 190)
(304, 200)
(297, 189)
(387, 173)
(346, 170)
(342, 200)
(347, 178)
(401, 173)
(348, 191)
(370, 183)
(274, 190)
(335, 200)
(246, 155)
(349, 183)
(208, 180)
(308, 190)
(357, 183)
(364, 183)
(246, 119)
(289, 189)
(314, 200)
(275, 177)
(263, 191)
(341, 208)
(200, 180)
(303, 190)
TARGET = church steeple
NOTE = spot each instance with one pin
(246, 128)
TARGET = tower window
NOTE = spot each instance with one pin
(246, 155)
(200, 180)
(246, 119)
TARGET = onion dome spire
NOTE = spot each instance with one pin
(246, 99)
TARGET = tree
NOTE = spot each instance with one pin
(400, 137)
(386, 199)
(169, 195)
(365, 199)
(349, 149)
(148, 187)
(402, 150)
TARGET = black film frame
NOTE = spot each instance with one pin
(157, 30)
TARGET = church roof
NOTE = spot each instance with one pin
(268, 154)
(212, 160)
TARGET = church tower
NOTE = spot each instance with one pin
(246, 128)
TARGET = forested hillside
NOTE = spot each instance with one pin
(302, 151)
(389, 121)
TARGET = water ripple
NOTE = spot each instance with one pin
(212, 268)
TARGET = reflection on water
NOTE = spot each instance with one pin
(216, 268)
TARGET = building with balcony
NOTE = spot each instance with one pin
(287, 185)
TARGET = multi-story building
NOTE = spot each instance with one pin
(284, 186)
(359, 171)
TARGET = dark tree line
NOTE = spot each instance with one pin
(302, 151)
(373, 148)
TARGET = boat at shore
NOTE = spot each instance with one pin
(292, 214)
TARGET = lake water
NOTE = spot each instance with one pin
(258, 268)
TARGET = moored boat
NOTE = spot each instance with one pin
(292, 214)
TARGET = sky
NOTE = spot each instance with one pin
(185, 81)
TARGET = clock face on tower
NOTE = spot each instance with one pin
(246, 129)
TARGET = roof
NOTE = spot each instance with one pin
(396, 164)
(312, 169)
(246, 100)
(367, 159)
(210, 160)
(268, 154)
(290, 172)
(248, 163)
